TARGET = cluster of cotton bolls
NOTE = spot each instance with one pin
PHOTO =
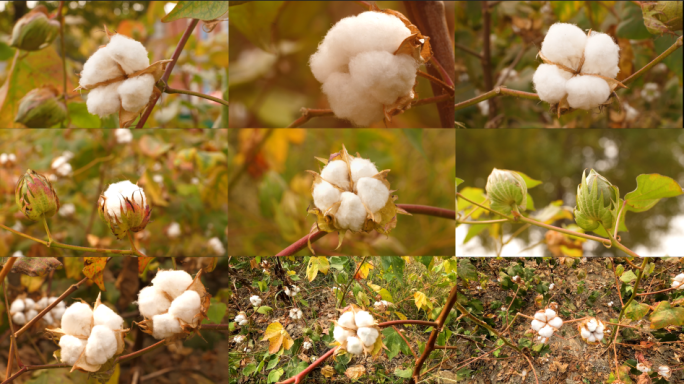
(354, 194)
(24, 310)
(61, 164)
(93, 335)
(545, 323)
(7, 159)
(169, 302)
(122, 56)
(123, 135)
(359, 71)
(678, 281)
(356, 331)
(241, 319)
(592, 330)
(566, 44)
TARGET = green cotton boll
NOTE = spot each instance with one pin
(34, 31)
(35, 196)
(506, 189)
(596, 199)
(40, 108)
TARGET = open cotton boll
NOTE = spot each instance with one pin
(601, 55)
(30, 304)
(547, 331)
(186, 306)
(373, 193)
(368, 335)
(130, 54)
(587, 92)
(549, 81)
(537, 325)
(586, 334)
(340, 334)
(77, 320)
(540, 316)
(556, 322)
(103, 315)
(362, 168)
(101, 345)
(550, 314)
(17, 305)
(48, 318)
(354, 345)
(174, 283)
(351, 213)
(135, 92)
(678, 281)
(41, 304)
(348, 101)
(564, 44)
(384, 75)
(19, 318)
(347, 320)
(325, 195)
(363, 319)
(71, 348)
(98, 68)
(336, 172)
(58, 312)
(30, 314)
(104, 101)
(165, 325)
(152, 302)
(116, 194)
(592, 325)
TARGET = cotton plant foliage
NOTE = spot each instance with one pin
(351, 195)
(357, 332)
(174, 305)
(89, 337)
(367, 65)
(120, 79)
(579, 69)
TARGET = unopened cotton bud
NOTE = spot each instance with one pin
(135, 92)
(34, 30)
(166, 325)
(71, 348)
(103, 315)
(354, 345)
(373, 193)
(186, 307)
(77, 320)
(351, 213)
(101, 345)
(152, 302)
(362, 168)
(347, 320)
(367, 335)
(173, 282)
(363, 319)
(564, 44)
(587, 92)
(40, 108)
(35, 196)
(336, 172)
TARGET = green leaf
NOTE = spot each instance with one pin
(203, 10)
(425, 260)
(386, 295)
(650, 189)
(6, 51)
(275, 374)
(249, 369)
(530, 182)
(636, 311)
(393, 341)
(216, 312)
(264, 309)
(255, 20)
(458, 181)
(632, 25)
(530, 203)
(81, 118)
(475, 194)
(415, 137)
(404, 373)
(665, 315)
(466, 270)
(272, 363)
(565, 10)
(628, 277)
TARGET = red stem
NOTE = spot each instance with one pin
(428, 210)
(399, 322)
(300, 244)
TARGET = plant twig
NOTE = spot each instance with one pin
(428, 210)
(301, 244)
(486, 56)
(430, 100)
(191, 93)
(655, 61)
(346, 289)
(436, 80)
(405, 341)
(494, 93)
(6, 269)
(468, 50)
(307, 114)
(507, 71)
(634, 295)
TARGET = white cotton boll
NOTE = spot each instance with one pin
(99, 67)
(152, 302)
(216, 246)
(549, 81)
(354, 345)
(174, 230)
(678, 281)
(368, 335)
(29, 304)
(347, 320)
(296, 313)
(135, 92)
(363, 319)
(77, 320)
(101, 345)
(103, 315)
(130, 54)
(186, 306)
(19, 318)
(340, 334)
(123, 135)
(348, 101)
(585, 333)
(587, 92)
(48, 318)
(17, 305)
(306, 345)
(564, 44)
(116, 193)
(537, 325)
(64, 169)
(325, 195)
(591, 338)
(104, 101)
(3, 158)
(664, 371)
(166, 325)
(174, 283)
(67, 210)
(30, 314)
(41, 304)
(373, 193)
(556, 322)
(385, 76)
(550, 314)
(600, 327)
(362, 168)
(541, 316)
(547, 331)
(351, 213)
(643, 368)
(336, 172)
(601, 55)
(255, 300)
(71, 348)
(592, 325)
(58, 312)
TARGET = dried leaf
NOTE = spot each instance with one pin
(94, 269)
(35, 266)
(328, 371)
(355, 372)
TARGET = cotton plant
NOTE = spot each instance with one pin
(545, 323)
(174, 305)
(89, 337)
(357, 332)
(367, 65)
(579, 68)
(351, 195)
(592, 330)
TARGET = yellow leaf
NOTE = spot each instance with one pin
(287, 340)
(296, 135)
(32, 284)
(355, 372)
(420, 299)
(73, 267)
(312, 269)
(400, 315)
(272, 330)
(375, 287)
(274, 343)
(363, 271)
(291, 273)
(328, 371)
(323, 264)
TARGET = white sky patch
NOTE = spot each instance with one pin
(168, 7)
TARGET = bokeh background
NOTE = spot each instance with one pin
(270, 79)
(183, 173)
(557, 158)
(270, 192)
(517, 31)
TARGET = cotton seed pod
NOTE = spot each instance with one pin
(35, 196)
(124, 207)
(34, 31)
(40, 108)
(506, 189)
(595, 198)
(664, 371)
(678, 281)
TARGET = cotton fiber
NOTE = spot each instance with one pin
(361, 167)
(130, 54)
(101, 345)
(349, 102)
(678, 281)
(104, 100)
(100, 67)
(351, 213)
(601, 55)
(135, 92)
(549, 81)
(363, 319)
(336, 172)
(367, 335)
(165, 325)
(373, 193)
(564, 44)
(587, 92)
(77, 320)
(385, 76)
(174, 283)
(340, 334)
(152, 302)
(103, 315)
(186, 307)
(354, 345)
(116, 194)
(325, 195)
(347, 320)
(71, 348)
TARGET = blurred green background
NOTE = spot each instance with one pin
(269, 75)
(183, 173)
(520, 26)
(557, 158)
(269, 197)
